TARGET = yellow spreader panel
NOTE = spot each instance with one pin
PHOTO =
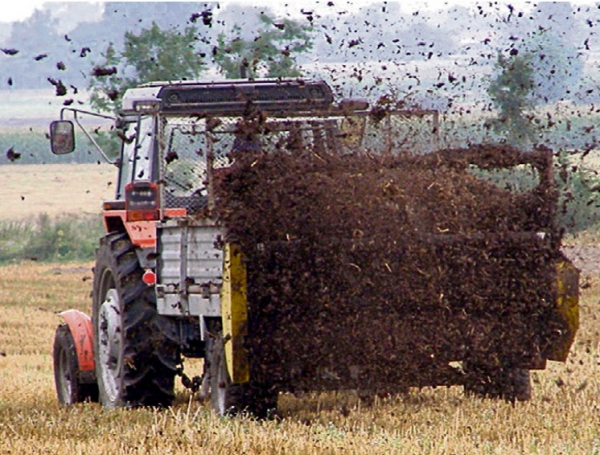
(234, 311)
(567, 309)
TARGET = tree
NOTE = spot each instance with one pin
(512, 94)
(271, 53)
(153, 55)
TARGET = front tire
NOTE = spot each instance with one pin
(69, 388)
(136, 349)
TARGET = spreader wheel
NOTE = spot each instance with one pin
(227, 398)
(508, 383)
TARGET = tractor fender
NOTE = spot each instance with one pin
(80, 326)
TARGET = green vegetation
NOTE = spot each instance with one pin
(579, 187)
(168, 55)
(272, 52)
(59, 239)
(153, 55)
(34, 147)
(511, 93)
(527, 79)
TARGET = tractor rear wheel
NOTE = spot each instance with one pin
(508, 383)
(69, 388)
(136, 349)
(227, 398)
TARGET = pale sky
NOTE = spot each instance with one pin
(22, 9)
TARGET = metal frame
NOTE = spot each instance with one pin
(82, 128)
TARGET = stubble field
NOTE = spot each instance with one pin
(55, 189)
(562, 417)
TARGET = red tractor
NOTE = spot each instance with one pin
(169, 284)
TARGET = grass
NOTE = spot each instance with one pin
(52, 211)
(63, 238)
(33, 147)
(560, 419)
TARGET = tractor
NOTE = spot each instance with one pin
(174, 276)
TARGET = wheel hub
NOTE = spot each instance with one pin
(109, 344)
(64, 374)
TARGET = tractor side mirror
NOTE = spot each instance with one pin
(62, 137)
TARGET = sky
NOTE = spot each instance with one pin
(22, 9)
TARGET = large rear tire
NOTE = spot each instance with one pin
(508, 383)
(228, 399)
(69, 387)
(136, 349)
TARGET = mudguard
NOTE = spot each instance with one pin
(234, 312)
(80, 325)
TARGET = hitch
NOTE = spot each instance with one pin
(193, 383)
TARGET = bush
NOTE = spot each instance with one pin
(63, 238)
(579, 196)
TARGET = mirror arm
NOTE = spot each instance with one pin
(93, 141)
(82, 128)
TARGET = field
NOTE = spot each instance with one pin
(28, 190)
(29, 106)
(561, 418)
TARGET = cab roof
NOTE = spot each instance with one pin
(229, 96)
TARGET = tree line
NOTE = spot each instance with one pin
(157, 54)
(535, 59)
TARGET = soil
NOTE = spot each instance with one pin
(380, 270)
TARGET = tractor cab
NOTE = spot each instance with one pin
(177, 138)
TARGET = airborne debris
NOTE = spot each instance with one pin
(12, 155)
(61, 90)
(332, 227)
(99, 71)
(113, 94)
(124, 137)
(171, 156)
(207, 17)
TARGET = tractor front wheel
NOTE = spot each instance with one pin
(69, 387)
